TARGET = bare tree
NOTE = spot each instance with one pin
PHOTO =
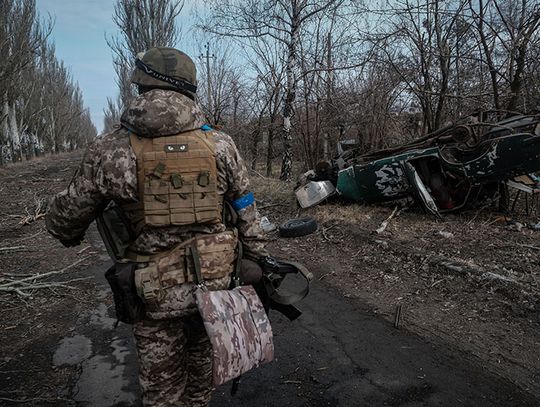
(505, 31)
(41, 107)
(224, 85)
(21, 36)
(282, 20)
(143, 24)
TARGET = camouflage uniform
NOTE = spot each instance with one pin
(174, 351)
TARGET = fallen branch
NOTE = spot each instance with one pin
(462, 268)
(49, 273)
(324, 230)
(30, 237)
(30, 283)
(325, 236)
(270, 206)
(12, 248)
(39, 212)
(332, 273)
(528, 246)
(32, 400)
(384, 224)
(15, 290)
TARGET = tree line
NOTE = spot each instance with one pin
(378, 72)
(41, 107)
(290, 79)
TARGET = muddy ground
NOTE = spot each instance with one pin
(468, 283)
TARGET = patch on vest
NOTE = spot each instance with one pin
(176, 148)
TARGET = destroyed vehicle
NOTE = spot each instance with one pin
(455, 167)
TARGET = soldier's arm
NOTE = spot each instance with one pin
(243, 201)
(72, 210)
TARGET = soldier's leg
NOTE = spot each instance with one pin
(161, 346)
(199, 364)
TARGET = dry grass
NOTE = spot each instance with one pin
(352, 213)
(272, 191)
(42, 159)
(274, 196)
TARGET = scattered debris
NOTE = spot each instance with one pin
(383, 243)
(266, 225)
(476, 271)
(292, 382)
(447, 235)
(332, 273)
(331, 237)
(397, 316)
(384, 224)
(513, 225)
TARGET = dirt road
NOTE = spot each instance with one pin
(463, 340)
(338, 354)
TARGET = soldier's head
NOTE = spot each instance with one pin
(165, 68)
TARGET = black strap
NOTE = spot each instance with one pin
(177, 83)
(273, 280)
(196, 263)
(238, 265)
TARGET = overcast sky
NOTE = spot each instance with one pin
(79, 33)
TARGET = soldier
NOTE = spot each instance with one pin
(171, 174)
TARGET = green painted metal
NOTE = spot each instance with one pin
(493, 160)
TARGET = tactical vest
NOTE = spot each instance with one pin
(177, 180)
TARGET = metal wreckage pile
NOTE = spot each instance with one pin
(459, 166)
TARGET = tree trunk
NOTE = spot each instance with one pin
(15, 135)
(255, 148)
(270, 148)
(290, 97)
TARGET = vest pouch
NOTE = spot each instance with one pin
(177, 179)
(115, 229)
(205, 202)
(217, 254)
(128, 305)
(181, 204)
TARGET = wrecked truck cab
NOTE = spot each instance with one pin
(454, 168)
(420, 174)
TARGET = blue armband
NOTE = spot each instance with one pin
(206, 127)
(243, 201)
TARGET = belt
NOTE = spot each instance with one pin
(192, 261)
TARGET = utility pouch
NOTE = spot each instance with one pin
(115, 230)
(128, 305)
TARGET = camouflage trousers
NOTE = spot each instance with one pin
(175, 358)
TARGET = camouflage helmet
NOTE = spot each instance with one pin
(165, 68)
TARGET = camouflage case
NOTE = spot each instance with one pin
(239, 330)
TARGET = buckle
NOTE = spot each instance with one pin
(269, 264)
(148, 289)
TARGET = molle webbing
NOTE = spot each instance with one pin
(204, 257)
(177, 179)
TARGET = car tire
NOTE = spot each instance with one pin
(298, 227)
